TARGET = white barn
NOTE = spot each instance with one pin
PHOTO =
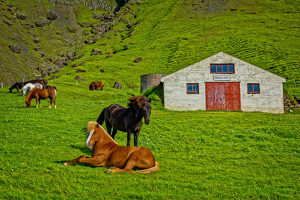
(223, 82)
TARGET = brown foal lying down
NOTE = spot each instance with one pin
(107, 153)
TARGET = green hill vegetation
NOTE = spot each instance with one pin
(167, 35)
(209, 155)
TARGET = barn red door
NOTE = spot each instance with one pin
(223, 96)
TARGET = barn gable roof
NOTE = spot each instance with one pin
(221, 55)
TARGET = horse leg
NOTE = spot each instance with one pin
(141, 159)
(50, 102)
(129, 166)
(40, 102)
(54, 102)
(114, 133)
(94, 161)
(36, 102)
(128, 138)
(136, 136)
(108, 127)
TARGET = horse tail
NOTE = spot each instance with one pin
(101, 117)
(151, 170)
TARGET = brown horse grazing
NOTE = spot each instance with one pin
(129, 120)
(96, 85)
(107, 153)
(39, 94)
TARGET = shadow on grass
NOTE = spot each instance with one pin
(82, 164)
(83, 149)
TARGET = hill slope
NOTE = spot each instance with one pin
(167, 35)
(171, 35)
(40, 37)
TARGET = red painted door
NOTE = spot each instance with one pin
(223, 96)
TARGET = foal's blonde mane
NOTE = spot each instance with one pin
(92, 125)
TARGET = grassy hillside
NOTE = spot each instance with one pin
(167, 35)
(171, 35)
(209, 155)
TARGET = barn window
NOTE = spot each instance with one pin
(192, 88)
(253, 88)
(222, 68)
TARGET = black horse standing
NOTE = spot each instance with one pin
(127, 119)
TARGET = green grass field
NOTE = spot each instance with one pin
(203, 155)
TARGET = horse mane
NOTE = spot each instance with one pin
(92, 125)
(29, 93)
(140, 101)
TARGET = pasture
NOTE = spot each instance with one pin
(203, 155)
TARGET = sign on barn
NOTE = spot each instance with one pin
(223, 82)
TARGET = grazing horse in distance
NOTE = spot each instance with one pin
(95, 85)
(127, 119)
(107, 153)
(19, 85)
(39, 94)
(29, 86)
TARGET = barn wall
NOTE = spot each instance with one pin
(270, 98)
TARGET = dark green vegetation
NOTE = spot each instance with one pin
(202, 154)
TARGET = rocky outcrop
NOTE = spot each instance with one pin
(137, 60)
(42, 22)
(15, 49)
(51, 15)
(21, 16)
(96, 52)
(117, 85)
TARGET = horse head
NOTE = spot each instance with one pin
(93, 134)
(13, 87)
(144, 104)
(28, 103)
(96, 133)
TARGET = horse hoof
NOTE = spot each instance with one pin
(66, 163)
(107, 172)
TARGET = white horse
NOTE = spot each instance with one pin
(29, 86)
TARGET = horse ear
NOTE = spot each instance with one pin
(132, 99)
(149, 100)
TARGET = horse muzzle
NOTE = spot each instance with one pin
(88, 145)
